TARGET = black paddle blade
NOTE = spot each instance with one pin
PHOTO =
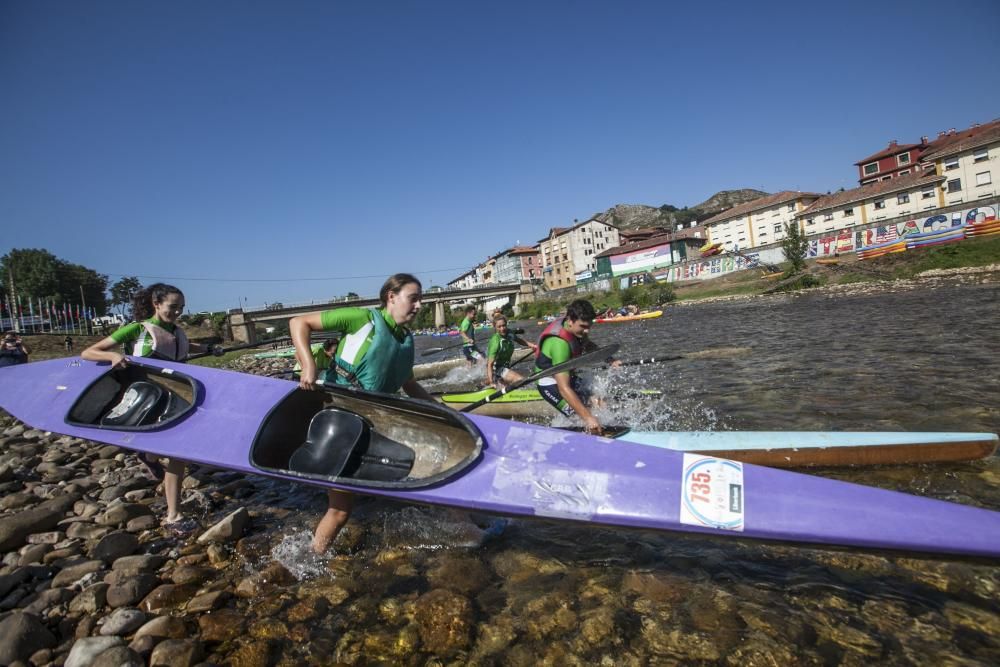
(598, 355)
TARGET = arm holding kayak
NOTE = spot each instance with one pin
(365, 335)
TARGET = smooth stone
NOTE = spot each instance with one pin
(33, 554)
(229, 529)
(122, 513)
(126, 590)
(46, 600)
(167, 595)
(71, 575)
(17, 500)
(444, 621)
(123, 621)
(118, 656)
(145, 563)
(14, 529)
(21, 635)
(141, 523)
(208, 601)
(187, 574)
(222, 625)
(163, 627)
(115, 545)
(12, 580)
(177, 653)
(90, 600)
(87, 531)
(86, 650)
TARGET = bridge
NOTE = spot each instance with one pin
(242, 320)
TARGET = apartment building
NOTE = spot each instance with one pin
(758, 222)
(968, 163)
(568, 251)
(518, 263)
(882, 200)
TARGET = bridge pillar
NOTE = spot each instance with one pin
(241, 327)
(525, 294)
(439, 320)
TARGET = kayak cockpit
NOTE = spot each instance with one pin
(364, 439)
(135, 398)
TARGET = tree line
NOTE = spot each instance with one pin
(36, 274)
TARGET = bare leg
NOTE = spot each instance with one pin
(338, 511)
(172, 488)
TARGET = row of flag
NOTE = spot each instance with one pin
(65, 316)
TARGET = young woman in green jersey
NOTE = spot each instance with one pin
(375, 353)
(499, 353)
(154, 333)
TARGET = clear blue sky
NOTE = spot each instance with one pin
(344, 141)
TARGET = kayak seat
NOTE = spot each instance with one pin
(342, 444)
(142, 403)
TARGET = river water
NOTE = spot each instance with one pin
(415, 585)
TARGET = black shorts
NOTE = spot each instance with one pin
(551, 393)
(472, 353)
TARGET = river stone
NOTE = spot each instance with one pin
(12, 580)
(118, 656)
(115, 545)
(21, 635)
(15, 529)
(122, 513)
(207, 602)
(307, 609)
(167, 595)
(17, 500)
(176, 653)
(163, 627)
(86, 650)
(222, 625)
(48, 599)
(74, 573)
(144, 646)
(145, 563)
(91, 599)
(122, 621)
(230, 528)
(87, 531)
(128, 589)
(255, 653)
(444, 620)
(107, 452)
(6, 473)
(33, 554)
(141, 523)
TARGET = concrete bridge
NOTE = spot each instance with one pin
(242, 321)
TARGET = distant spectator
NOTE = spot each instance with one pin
(13, 350)
(69, 344)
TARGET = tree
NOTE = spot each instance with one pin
(795, 245)
(34, 273)
(122, 293)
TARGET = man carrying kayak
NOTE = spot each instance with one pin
(375, 353)
(562, 340)
(467, 332)
(499, 352)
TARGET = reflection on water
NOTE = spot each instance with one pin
(409, 585)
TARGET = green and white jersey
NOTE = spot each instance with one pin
(374, 350)
(152, 338)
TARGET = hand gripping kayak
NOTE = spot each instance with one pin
(598, 355)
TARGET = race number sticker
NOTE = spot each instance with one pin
(712, 493)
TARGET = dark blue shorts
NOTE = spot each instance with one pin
(552, 395)
(472, 353)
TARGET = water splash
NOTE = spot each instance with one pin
(294, 552)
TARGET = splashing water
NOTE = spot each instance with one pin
(294, 551)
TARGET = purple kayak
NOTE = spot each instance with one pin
(424, 453)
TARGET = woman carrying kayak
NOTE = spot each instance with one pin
(499, 352)
(375, 353)
(154, 333)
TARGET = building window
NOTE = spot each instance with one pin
(848, 212)
(955, 185)
(887, 178)
(791, 207)
(827, 216)
(777, 229)
(904, 172)
(870, 168)
(951, 163)
(903, 198)
(927, 194)
(983, 178)
(879, 203)
(981, 155)
(903, 158)
(810, 221)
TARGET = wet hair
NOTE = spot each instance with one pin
(499, 318)
(330, 343)
(143, 301)
(581, 309)
(396, 282)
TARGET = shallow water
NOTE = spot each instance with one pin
(415, 586)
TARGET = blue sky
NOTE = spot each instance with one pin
(295, 151)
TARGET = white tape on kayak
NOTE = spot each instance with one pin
(712, 493)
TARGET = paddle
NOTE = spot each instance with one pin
(244, 346)
(577, 362)
(434, 350)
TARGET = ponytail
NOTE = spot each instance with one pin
(143, 301)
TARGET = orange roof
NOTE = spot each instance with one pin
(916, 179)
(759, 204)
